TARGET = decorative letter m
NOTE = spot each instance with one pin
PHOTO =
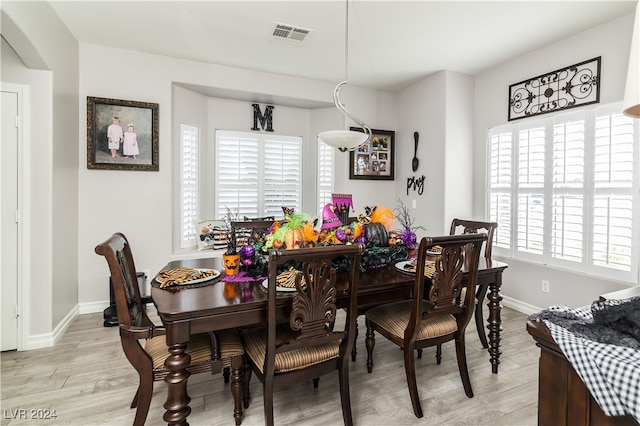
(266, 120)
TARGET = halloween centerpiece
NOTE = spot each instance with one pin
(231, 257)
(385, 245)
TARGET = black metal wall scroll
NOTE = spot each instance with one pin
(569, 87)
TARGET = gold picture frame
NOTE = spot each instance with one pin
(137, 144)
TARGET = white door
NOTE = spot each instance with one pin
(9, 220)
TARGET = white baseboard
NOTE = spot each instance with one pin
(519, 306)
(45, 340)
(93, 307)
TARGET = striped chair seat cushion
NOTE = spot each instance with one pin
(230, 343)
(255, 343)
(199, 348)
(394, 318)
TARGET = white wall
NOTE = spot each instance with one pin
(421, 109)
(440, 109)
(459, 146)
(522, 281)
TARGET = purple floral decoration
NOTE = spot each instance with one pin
(408, 238)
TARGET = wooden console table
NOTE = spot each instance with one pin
(563, 399)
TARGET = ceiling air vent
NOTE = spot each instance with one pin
(289, 32)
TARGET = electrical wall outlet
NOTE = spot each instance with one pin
(545, 286)
(145, 288)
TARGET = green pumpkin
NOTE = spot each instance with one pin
(377, 235)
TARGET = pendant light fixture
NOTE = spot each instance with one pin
(346, 140)
(631, 103)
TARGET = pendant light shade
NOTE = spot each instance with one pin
(631, 103)
(346, 140)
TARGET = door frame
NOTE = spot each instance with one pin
(23, 216)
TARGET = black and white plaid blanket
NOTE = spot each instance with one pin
(611, 372)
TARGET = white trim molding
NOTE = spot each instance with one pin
(45, 340)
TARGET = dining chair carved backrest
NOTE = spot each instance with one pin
(210, 352)
(437, 313)
(462, 226)
(473, 227)
(308, 344)
(251, 230)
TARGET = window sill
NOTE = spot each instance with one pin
(624, 282)
(194, 253)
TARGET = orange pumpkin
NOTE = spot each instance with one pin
(294, 238)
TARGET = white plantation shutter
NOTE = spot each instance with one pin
(567, 205)
(189, 138)
(531, 170)
(325, 174)
(257, 174)
(612, 192)
(237, 174)
(567, 227)
(500, 179)
(572, 202)
(282, 175)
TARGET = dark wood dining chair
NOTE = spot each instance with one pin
(308, 345)
(437, 313)
(210, 352)
(462, 226)
(251, 230)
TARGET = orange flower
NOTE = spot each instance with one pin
(383, 215)
(309, 234)
(357, 228)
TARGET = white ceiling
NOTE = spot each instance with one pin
(392, 44)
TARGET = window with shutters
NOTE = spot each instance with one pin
(189, 139)
(257, 174)
(325, 174)
(563, 191)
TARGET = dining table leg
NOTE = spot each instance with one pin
(177, 405)
(495, 322)
(237, 390)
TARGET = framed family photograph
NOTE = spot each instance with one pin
(122, 135)
(374, 159)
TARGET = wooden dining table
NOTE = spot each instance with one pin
(225, 304)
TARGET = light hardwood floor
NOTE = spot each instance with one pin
(87, 380)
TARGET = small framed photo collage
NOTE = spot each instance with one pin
(374, 159)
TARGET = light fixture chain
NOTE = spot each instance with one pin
(344, 139)
(346, 42)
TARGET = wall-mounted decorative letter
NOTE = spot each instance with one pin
(569, 87)
(266, 120)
